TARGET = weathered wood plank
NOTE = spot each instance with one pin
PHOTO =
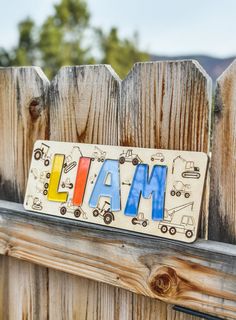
(222, 225)
(201, 276)
(24, 118)
(84, 108)
(167, 105)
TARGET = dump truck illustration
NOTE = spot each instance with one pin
(190, 171)
(70, 163)
(68, 207)
(158, 157)
(178, 223)
(98, 154)
(42, 154)
(140, 219)
(104, 212)
(179, 188)
(128, 156)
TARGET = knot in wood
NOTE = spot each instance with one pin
(35, 108)
(164, 281)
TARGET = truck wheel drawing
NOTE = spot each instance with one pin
(104, 212)
(98, 154)
(67, 184)
(140, 219)
(68, 207)
(42, 154)
(42, 183)
(190, 171)
(128, 156)
(179, 188)
(158, 157)
(178, 223)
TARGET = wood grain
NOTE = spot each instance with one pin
(24, 118)
(222, 225)
(200, 276)
(84, 108)
(167, 105)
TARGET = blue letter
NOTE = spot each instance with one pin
(155, 187)
(109, 170)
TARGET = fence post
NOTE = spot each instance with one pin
(166, 105)
(222, 218)
(24, 118)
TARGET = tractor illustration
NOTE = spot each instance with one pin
(158, 157)
(128, 156)
(69, 207)
(42, 154)
(36, 202)
(140, 219)
(178, 223)
(43, 180)
(190, 171)
(180, 188)
(104, 212)
(70, 163)
(67, 184)
(98, 154)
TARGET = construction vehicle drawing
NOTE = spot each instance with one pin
(67, 184)
(158, 157)
(140, 219)
(98, 154)
(36, 202)
(190, 171)
(128, 156)
(104, 212)
(42, 154)
(70, 163)
(126, 183)
(68, 207)
(43, 180)
(178, 223)
(180, 188)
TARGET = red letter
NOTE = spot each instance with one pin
(81, 180)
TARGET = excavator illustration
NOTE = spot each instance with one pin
(190, 171)
(178, 223)
(128, 156)
(70, 163)
(98, 154)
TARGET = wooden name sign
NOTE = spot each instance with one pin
(156, 192)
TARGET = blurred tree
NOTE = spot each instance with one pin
(120, 53)
(63, 39)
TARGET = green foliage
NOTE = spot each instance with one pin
(63, 39)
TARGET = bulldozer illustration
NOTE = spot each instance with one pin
(158, 157)
(178, 223)
(42, 180)
(70, 163)
(98, 154)
(42, 154)
(128, 156)
(190, 171)
(104, 212)
(68, 207)
(179, 188)
(36, 202)
(140, 219)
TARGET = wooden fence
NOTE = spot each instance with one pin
(55, 269)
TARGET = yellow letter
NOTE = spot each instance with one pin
(57, 166)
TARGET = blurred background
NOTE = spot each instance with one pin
(53, 33)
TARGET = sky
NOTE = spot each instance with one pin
(169, 27)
